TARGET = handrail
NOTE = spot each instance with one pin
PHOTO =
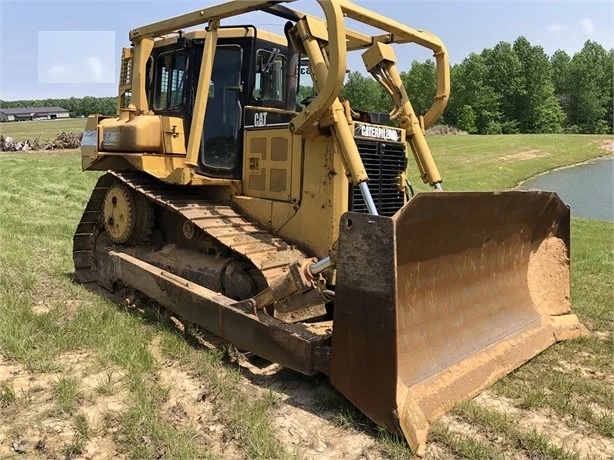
(217, 12)
(402, 33)
(397, 33)
(342, 38)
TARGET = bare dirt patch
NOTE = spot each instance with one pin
(188, 404)
(607, 144)
(45, 305)
(39, 429)
(316, 437)
(455, 425)
(586, 372)
(564, 432)
(525, 155)
(308, 420)
(603, 335)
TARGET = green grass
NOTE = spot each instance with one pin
(41, 200)
(492, 422)
(43, 197)
(592, 271)
(66, 394)
(145, 433)
(462, 445)
(22, 130)
(500, 162)
(7, 395)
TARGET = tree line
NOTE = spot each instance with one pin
(510, 88)
(76, 106)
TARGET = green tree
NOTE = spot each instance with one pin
(364, 93)
(76, 106)
(304, 92)
(504, 76)
(466, 119)
(421, 85)
(609, 88)
(590, 83)
(537, 108)
(559, 63)
(470, 90)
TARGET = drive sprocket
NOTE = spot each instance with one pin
(119, 213)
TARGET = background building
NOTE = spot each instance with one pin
(33, 113)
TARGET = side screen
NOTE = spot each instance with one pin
(170, 80)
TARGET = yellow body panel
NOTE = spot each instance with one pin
(323, 198)
(267, 164)
(173, 136)
(141, 134)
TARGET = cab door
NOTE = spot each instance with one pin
(220, 143)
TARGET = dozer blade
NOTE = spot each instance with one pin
(453, 292)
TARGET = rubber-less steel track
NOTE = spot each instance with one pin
(268, 253)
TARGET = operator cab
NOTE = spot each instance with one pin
(253, 84)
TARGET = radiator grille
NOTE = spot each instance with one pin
(383, 163)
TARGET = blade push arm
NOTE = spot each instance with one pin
(328, 72)
(400, 33)
(380, 61)
(328, 68)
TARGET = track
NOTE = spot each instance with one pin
(268, 253)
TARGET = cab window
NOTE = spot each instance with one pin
(170, 80)
(270, 84)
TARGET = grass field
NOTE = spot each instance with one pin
(500, 162)
(83, 376)
(22, 130)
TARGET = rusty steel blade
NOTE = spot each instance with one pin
(449, 295)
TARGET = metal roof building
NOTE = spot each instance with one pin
(33, 113)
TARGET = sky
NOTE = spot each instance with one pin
(58, 49)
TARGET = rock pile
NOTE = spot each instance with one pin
(444, 130)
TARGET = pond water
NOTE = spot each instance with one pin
(588, 188)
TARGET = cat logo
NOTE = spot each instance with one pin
(260, 119)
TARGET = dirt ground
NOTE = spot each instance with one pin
(35, 428)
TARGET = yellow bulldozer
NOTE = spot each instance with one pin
(288, 228)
